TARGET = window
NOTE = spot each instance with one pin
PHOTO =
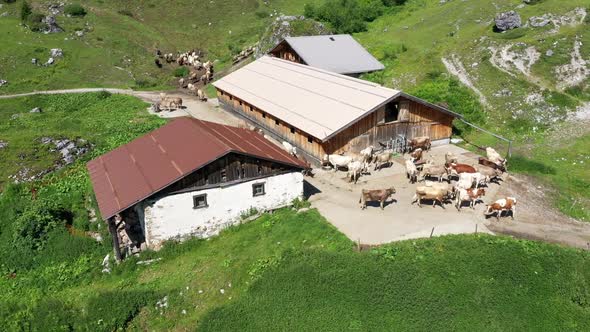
(277, 122)
(240, 103)
(309, 139)
(264, 115)
(292, 130)
(258, 189)
(200, 201)
(391, 112)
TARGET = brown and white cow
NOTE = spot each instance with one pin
(380, 195)
(470, 195)
(501, 205)
(416, 155)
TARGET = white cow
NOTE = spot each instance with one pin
(495, 157)
(337, 160)
(355, 169)
(290, 148)
(411, 171)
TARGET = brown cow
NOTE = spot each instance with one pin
(456, 169)
(422, 142)
(489, 163)
(501, 205)
(380, 195)
(435, 194)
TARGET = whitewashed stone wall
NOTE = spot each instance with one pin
(173, 217)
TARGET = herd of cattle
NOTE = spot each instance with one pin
(464, 183)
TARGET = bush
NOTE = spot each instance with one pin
(75, 10)
(181, 72)
(144, 83)
(25, 11)
(346, 16)
(261, 14)
(112, 311)
(35, 22)
(8, 1)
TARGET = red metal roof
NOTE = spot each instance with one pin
(148, 164)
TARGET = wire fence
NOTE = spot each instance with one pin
(506, 142)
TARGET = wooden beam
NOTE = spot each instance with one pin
(115, 236)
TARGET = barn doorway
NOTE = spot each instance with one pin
(391, 112)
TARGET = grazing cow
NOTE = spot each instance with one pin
(367, 154)
(436, 171)
(450, 158)
(337, 160)
(471, 195)
(355, 169)
(380, 196)
(489, 163)
(501, 205)
(432, 193)
(383, 158)
(490, 174)
(290, 148)
(495, 157)
(416, 155)
(411, 171)
(422, 142)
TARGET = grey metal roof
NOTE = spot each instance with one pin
(337, 53)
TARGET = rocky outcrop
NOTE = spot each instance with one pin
(507, 21)
(288, 26)
(51, 25)
(574, 72)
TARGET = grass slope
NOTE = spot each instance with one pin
(450, 283)
(117, 49)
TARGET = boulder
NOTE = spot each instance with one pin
(79, 33)
(549, 53)
(50, 61)
(3, 82)
(507, 21)
(34, 61)
(36, 110)
(56, 53)
(3, 144)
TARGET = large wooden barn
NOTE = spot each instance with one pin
(321, 112)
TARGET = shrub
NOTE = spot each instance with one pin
(25, 11)
(103, 94)
(35, 22)
(75, 10)
(112, 311)
(346, 16)
(181, 72)
(457, 97)
(261, 14)
(125, 12)
(8, 1)
(144, 83)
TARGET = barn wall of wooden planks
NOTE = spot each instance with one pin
(286, 52)
(414, 119)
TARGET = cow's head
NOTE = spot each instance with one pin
(391, 190)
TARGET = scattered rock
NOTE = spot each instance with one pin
(507, 21)
(56, 8)
(576, 71)
(36, 110)
(549, 53)
(106, 264)
(15, 116)
(3, 82)
(456, 140)
(56, 53)
(149, 261)
(514, 58)
(34, 61)
(503, 93)
(162, 303)
(95, 235)
(3, 144)
(79, 33)
(50, 61)
(540, 21)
